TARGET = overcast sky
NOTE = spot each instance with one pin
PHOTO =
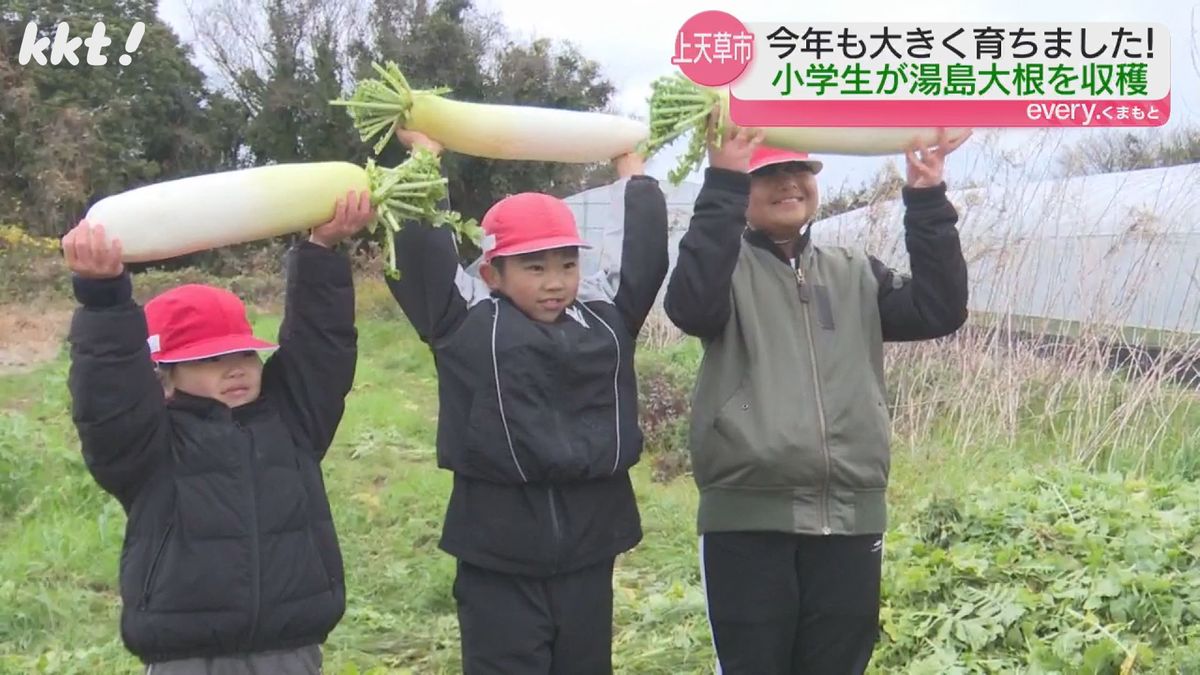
(633, 41)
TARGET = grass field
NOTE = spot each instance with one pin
(1015, 547)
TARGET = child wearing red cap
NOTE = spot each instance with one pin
(538, 416)
(790, 428)
(230, 561)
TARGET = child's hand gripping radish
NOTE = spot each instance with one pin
(926, 166)
(88, 253)
(350, 216)
(416, 139)
(736, 148)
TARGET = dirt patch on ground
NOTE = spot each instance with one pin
(30, 336)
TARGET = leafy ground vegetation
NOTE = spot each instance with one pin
(1045, 514)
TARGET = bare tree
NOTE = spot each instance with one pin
(237, 36)
(1113, 151)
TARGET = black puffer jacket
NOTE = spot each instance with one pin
(229, 546)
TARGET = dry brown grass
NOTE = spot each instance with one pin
(996, 391)
(30, 335)
(992, 389)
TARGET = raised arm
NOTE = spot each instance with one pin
(698, 294)
(433, 291)
(932, 301)
(117, 402)
(313, 370)
(633, 250)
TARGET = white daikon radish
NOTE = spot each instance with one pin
(187, 215)
(679, 106)
(494, 131)
(192, 214)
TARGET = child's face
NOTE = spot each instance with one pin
(783, 198)
(540, 284)
(232, 379)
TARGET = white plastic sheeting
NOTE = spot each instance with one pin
(1115, 249)
(593, 208)
(1118, 249)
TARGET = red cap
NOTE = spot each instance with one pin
(767, 156)
(526, 223)
(195, 322)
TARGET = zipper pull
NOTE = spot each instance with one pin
(804, 296)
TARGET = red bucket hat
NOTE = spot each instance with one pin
(527, 223)
(194, 322)
(766, 156)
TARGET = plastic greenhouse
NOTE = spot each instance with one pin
(1114, 250)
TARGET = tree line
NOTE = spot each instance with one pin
(70, 135)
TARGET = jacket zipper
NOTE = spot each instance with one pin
(312, 538)
(162, 546)
(255, 590)
(554, 524)
(560, 336)
(812, 353)
(616, 386)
